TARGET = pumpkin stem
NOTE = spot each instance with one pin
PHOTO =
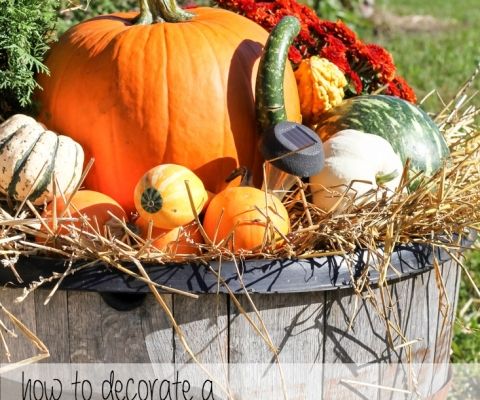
(245, 173)
(152, 11)
(269, 95)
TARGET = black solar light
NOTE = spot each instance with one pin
(292, 150)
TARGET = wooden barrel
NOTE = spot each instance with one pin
(308, 307)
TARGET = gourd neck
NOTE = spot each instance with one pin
(269, 91)
(245, 173)
(382, 179)
(153, 11)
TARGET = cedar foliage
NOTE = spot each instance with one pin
(26, 29)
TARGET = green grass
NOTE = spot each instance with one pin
(442, 61)
(466, 343)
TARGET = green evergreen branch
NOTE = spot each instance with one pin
(27, 27)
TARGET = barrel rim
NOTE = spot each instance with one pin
(253, 275)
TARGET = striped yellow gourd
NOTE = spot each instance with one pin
(162, 196)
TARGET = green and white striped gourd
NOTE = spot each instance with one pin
(31, 156)
(411, 132)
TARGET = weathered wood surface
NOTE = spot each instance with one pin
(447, 311)
(414, 342)
(52, 324)
(354, 336)
(318, 328)
(79, 327)
(290, 323)
(205, 326)
(20, 347)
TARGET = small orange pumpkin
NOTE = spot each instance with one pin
(91, 208)
(162, 196)
(248, 218)
(177, 241)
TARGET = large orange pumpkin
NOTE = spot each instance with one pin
(139, 95)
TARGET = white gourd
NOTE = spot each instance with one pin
(352, 156)
(31, 156)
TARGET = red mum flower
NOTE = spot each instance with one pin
(400, 88)
(295, 55)
(379, 60)
(367, 67)
(337, 29)
(335, 51)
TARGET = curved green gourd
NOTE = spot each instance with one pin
(269, 94)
